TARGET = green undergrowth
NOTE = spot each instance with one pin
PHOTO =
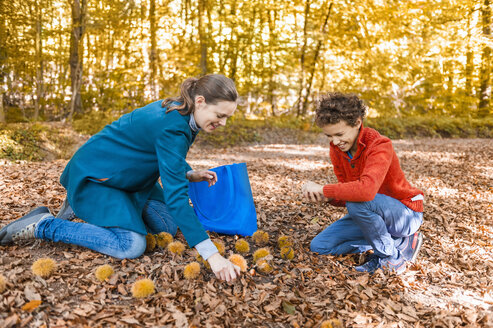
(432, 126)
(55, 140)
(293, 130)
(37, 141)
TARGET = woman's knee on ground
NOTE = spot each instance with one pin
(132, 246)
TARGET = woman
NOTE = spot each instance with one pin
(384, 210)
(112, 180)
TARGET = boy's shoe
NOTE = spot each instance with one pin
(23, 228)
(392, 264)
(411, 246)
(369, 266)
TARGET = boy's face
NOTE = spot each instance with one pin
(343, 135)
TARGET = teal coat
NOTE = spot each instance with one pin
(111, 177)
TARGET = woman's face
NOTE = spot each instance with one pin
(343, 135)
(209, 116)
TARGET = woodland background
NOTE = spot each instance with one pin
(98, 59)
(69, 67)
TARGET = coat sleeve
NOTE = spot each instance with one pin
(171, 149)
(371, 178)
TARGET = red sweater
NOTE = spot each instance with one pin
(374, 169)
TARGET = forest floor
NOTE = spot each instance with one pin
(450, 285)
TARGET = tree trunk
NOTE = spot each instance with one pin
(469, 60)
(301, 93)
(202, 37)
(314, 64)
(272, 20)
(3, 73)
(485, 86)
(2, 113)
(76, 55)
(153, 54)
(39, 69)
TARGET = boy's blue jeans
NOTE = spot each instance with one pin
(379, 224)
(116, 242)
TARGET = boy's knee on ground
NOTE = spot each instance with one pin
(317, 245)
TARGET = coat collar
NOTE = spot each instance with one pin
(193, 124)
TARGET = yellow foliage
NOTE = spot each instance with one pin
(284, 241)
(239, 261)
(163, 239)
(176, 247)
(260, 253)
(332, 323)
(142, 288)
(192, 270)
(264, 266)
(220, 247)
(3, 283)
(44, 267)
(287, 253)
(151, 242)
(103, 272)
(242, 246)
(260, 237)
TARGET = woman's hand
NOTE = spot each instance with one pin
(313, 192)
(222, 268)
(198, 176)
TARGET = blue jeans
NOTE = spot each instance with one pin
(116, 242)
(380, 224)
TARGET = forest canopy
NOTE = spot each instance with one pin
(404, 58)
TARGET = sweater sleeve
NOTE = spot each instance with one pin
(171, 148)
(338, 171)
(371, 178)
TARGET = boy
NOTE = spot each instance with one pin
(384, 210)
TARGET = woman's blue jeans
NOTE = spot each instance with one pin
(380, 224)
(116, 242)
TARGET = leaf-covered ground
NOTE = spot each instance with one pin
(450, 285)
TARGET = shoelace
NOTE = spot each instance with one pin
(26, 233)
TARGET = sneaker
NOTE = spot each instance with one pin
(23, 228)
(392, 264)
(369, 266)
(411, 246)
(66, 212)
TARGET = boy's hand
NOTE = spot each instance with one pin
(222, 268)
(313, 192)
(198, 176)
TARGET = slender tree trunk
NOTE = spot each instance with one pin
(469, 60)
(39, 69)
(485, 86)
(272, 19)
(202, 37)
(2, 112)
(302, 60)
(449, 71)
(153, 54)
(4, 78)
(314, 64)
(76, 55)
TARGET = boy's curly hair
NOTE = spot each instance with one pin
(336, 106)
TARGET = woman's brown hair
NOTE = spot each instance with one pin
(213, 87)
